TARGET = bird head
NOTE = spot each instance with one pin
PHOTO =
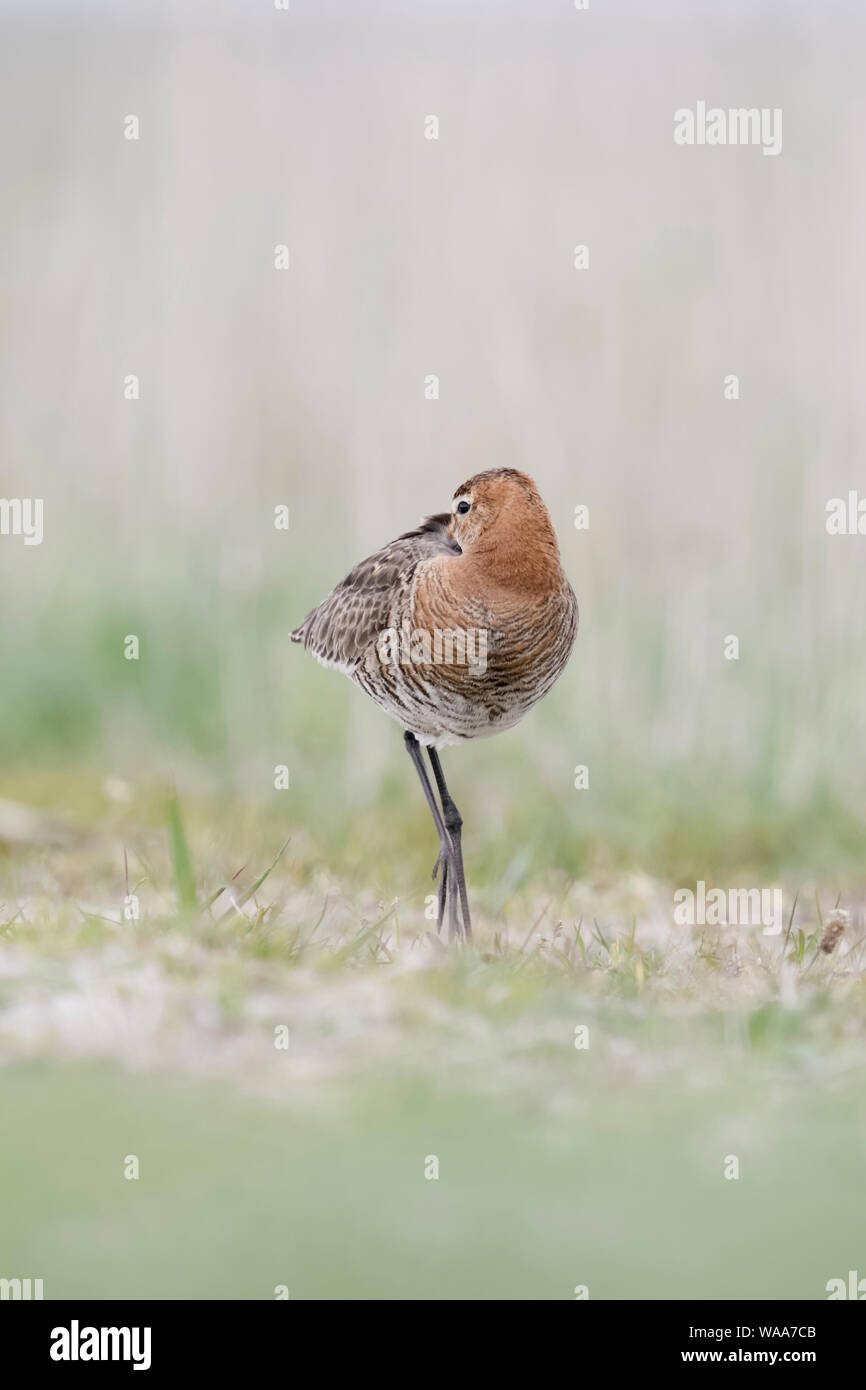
(494, 505)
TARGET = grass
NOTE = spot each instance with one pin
(264, 1165)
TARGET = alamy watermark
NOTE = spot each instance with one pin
(736, 907)
(77, 1343)
(737, 126)
(853, 1287)
(846, 516)
(24, 1289)
(459, 646)
(22, 516)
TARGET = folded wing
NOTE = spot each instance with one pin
(342, 627)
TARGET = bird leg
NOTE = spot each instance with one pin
(446, 858)
(440, 870)
(454, 826)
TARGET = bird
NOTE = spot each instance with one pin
(455, 629)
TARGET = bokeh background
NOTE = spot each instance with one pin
(305, 387)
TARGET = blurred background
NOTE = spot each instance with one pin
(305, 387)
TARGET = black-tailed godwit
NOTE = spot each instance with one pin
(455, 629)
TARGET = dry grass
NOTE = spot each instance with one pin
(213, 965)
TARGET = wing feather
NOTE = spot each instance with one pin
(341, 628)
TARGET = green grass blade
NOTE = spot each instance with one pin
(181, 859)
(245, 897)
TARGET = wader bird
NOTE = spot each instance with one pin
(455, 629)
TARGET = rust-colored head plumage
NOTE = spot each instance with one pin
(499, 517)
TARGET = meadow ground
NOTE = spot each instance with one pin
(559, 1165)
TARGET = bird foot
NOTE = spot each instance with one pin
(448, 896)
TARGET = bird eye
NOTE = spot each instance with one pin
(463, 507)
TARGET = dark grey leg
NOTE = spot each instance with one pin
(446, 850)
(454, 826)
